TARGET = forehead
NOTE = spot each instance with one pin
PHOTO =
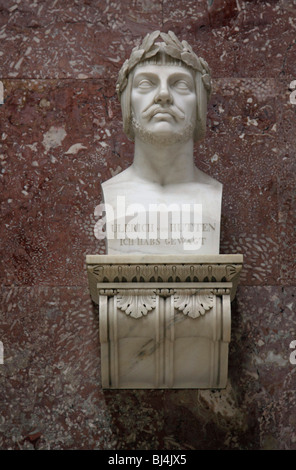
(163, 70)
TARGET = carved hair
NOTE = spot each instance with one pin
(177, 53)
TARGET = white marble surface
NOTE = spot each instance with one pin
(154, 198)
(163, 203)
(164, 347)
(222, 259)
(165, 320)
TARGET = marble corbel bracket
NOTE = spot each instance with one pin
(165, 321)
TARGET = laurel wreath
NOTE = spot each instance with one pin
(173, 47)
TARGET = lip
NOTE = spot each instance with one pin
(163, 114)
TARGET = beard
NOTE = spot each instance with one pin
(149, 137)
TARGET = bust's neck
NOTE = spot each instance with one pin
(164, 164)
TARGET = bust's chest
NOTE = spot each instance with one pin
(147, 218)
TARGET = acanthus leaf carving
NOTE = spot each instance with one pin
(136, 305)
(194, 305)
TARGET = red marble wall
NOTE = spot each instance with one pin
(59, 63)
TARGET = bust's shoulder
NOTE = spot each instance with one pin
(124, 177)
(203, 178)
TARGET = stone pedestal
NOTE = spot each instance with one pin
(165, 320)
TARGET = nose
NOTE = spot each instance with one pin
(163, 95)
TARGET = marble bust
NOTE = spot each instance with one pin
(164, 291)
(162, 203)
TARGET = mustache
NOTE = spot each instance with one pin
(156, 108)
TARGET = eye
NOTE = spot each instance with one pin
(145, 84)
(182, 85)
